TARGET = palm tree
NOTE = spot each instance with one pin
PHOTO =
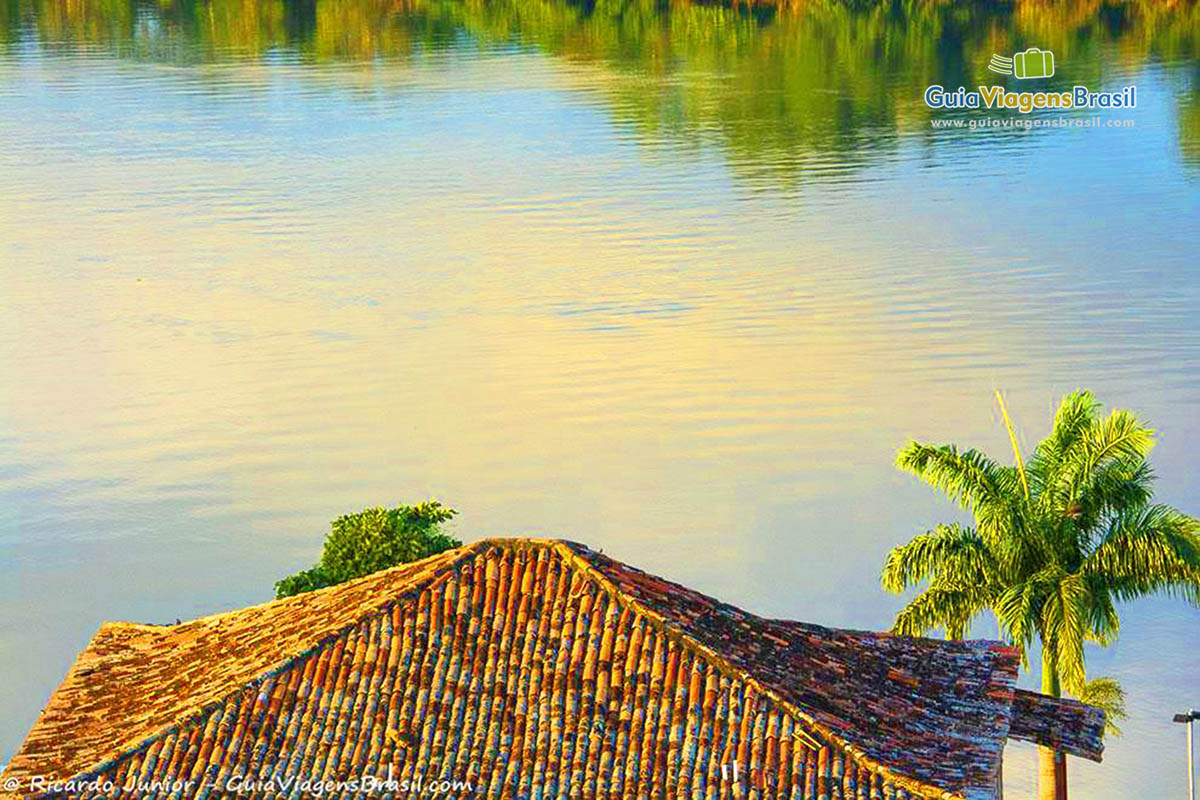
(1056, 543)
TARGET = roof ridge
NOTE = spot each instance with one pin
(461, 550)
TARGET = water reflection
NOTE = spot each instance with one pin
(672, 280)
(796, 93)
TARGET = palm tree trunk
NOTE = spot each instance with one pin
(1052, 764)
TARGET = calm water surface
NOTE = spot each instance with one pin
(675, 281)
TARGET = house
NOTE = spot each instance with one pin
(532, 669)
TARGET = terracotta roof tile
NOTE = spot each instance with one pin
(534, 669)
(1066, 724)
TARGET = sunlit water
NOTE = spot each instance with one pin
(672, 282)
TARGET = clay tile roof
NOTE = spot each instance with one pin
(520, 664)
(1065, 724)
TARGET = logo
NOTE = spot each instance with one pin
(997, 97)
(1033, 63)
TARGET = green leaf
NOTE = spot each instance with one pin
(1107, 695)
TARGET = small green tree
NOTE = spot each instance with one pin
(371, 540)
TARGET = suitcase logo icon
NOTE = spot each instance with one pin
(1033, 63)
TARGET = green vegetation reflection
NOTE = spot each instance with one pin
(779, 88)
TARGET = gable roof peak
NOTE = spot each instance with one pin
(928, 716)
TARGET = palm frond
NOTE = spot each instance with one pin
(1120, 484)
(953, 553)
(1019, 606)
(1146, 550)
(1103, 622)
(1064, 622)
(1072, 422)
(1004, 515)
(946, 607)
(969, 478)
(1120, 436)
(1107, 695)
